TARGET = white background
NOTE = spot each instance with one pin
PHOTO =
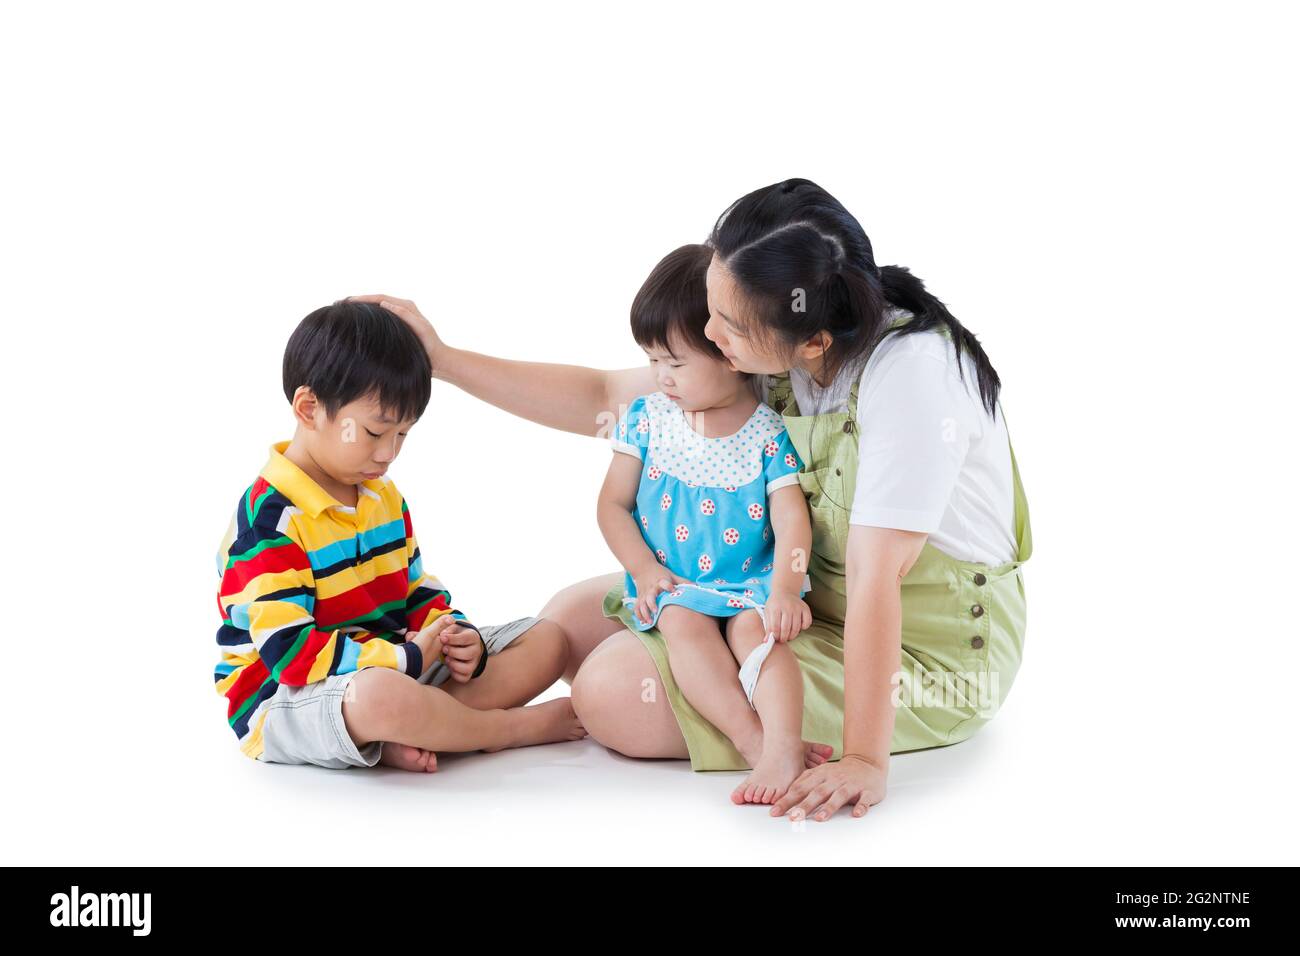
(1105, 194)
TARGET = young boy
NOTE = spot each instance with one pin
(334, 639)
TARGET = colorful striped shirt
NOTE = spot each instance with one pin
(311, 587)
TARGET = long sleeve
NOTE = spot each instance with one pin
(426, 597)
(267, 595)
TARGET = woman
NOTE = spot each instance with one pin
(920, 525)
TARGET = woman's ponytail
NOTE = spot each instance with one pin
(906, 291)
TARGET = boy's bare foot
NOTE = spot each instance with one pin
(772, 775)
(405, 757)
(546, 723)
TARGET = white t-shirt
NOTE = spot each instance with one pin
(930, 457)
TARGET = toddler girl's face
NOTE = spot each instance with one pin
(692, 379)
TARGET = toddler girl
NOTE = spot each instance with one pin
(703, 508)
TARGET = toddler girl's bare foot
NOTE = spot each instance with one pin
(405, 757)
(814, 754)
(776, 769)
(547, 723)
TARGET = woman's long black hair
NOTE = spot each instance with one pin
(804, 266)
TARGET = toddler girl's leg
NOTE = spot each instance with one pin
(778, 698)
(383, 704)
(706, 673)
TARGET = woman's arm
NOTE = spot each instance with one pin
(572, 398)
(876, 561)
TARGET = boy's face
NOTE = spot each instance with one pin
(357, 444)
(693, 380)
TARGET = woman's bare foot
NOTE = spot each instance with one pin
(772, 775)
(546, 723)
(405, 757)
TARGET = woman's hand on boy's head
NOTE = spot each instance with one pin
(461, 649)
(409, 312)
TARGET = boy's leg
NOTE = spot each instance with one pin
(520, 671)
(706, 673)
(384, 705)
(778, 698)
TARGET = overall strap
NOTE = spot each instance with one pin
(1024, 533)
(780, 394)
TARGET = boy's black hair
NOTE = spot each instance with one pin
(352, 350)
(673, 299)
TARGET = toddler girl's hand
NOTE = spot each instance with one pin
(786, 615)
(649, 583)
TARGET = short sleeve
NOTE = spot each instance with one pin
(782, 462)
(632, 433)
(917, 423)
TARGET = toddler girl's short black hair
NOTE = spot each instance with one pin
(352, 350)
(674, 300)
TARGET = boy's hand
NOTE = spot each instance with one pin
(429, 641)
(787, 615)
(461, 650)
(649, 581)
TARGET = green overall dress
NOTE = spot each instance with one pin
(963, 622)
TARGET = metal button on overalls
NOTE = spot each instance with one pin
(980, 580)
(977, 610)
(977, 642)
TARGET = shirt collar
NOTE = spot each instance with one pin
(296, 485)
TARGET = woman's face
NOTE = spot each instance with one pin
(725, 329)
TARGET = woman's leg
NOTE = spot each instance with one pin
(618, 698)
(613, 680)
(579, 612)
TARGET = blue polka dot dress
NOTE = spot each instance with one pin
(702, 504)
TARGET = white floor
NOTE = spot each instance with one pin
(1024, 790)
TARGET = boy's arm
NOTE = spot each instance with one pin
(427, 599)
(267, 594)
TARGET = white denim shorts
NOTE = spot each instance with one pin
(305, 724)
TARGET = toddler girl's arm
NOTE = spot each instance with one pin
(614, 508)
(787, 614)
(793, 529)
